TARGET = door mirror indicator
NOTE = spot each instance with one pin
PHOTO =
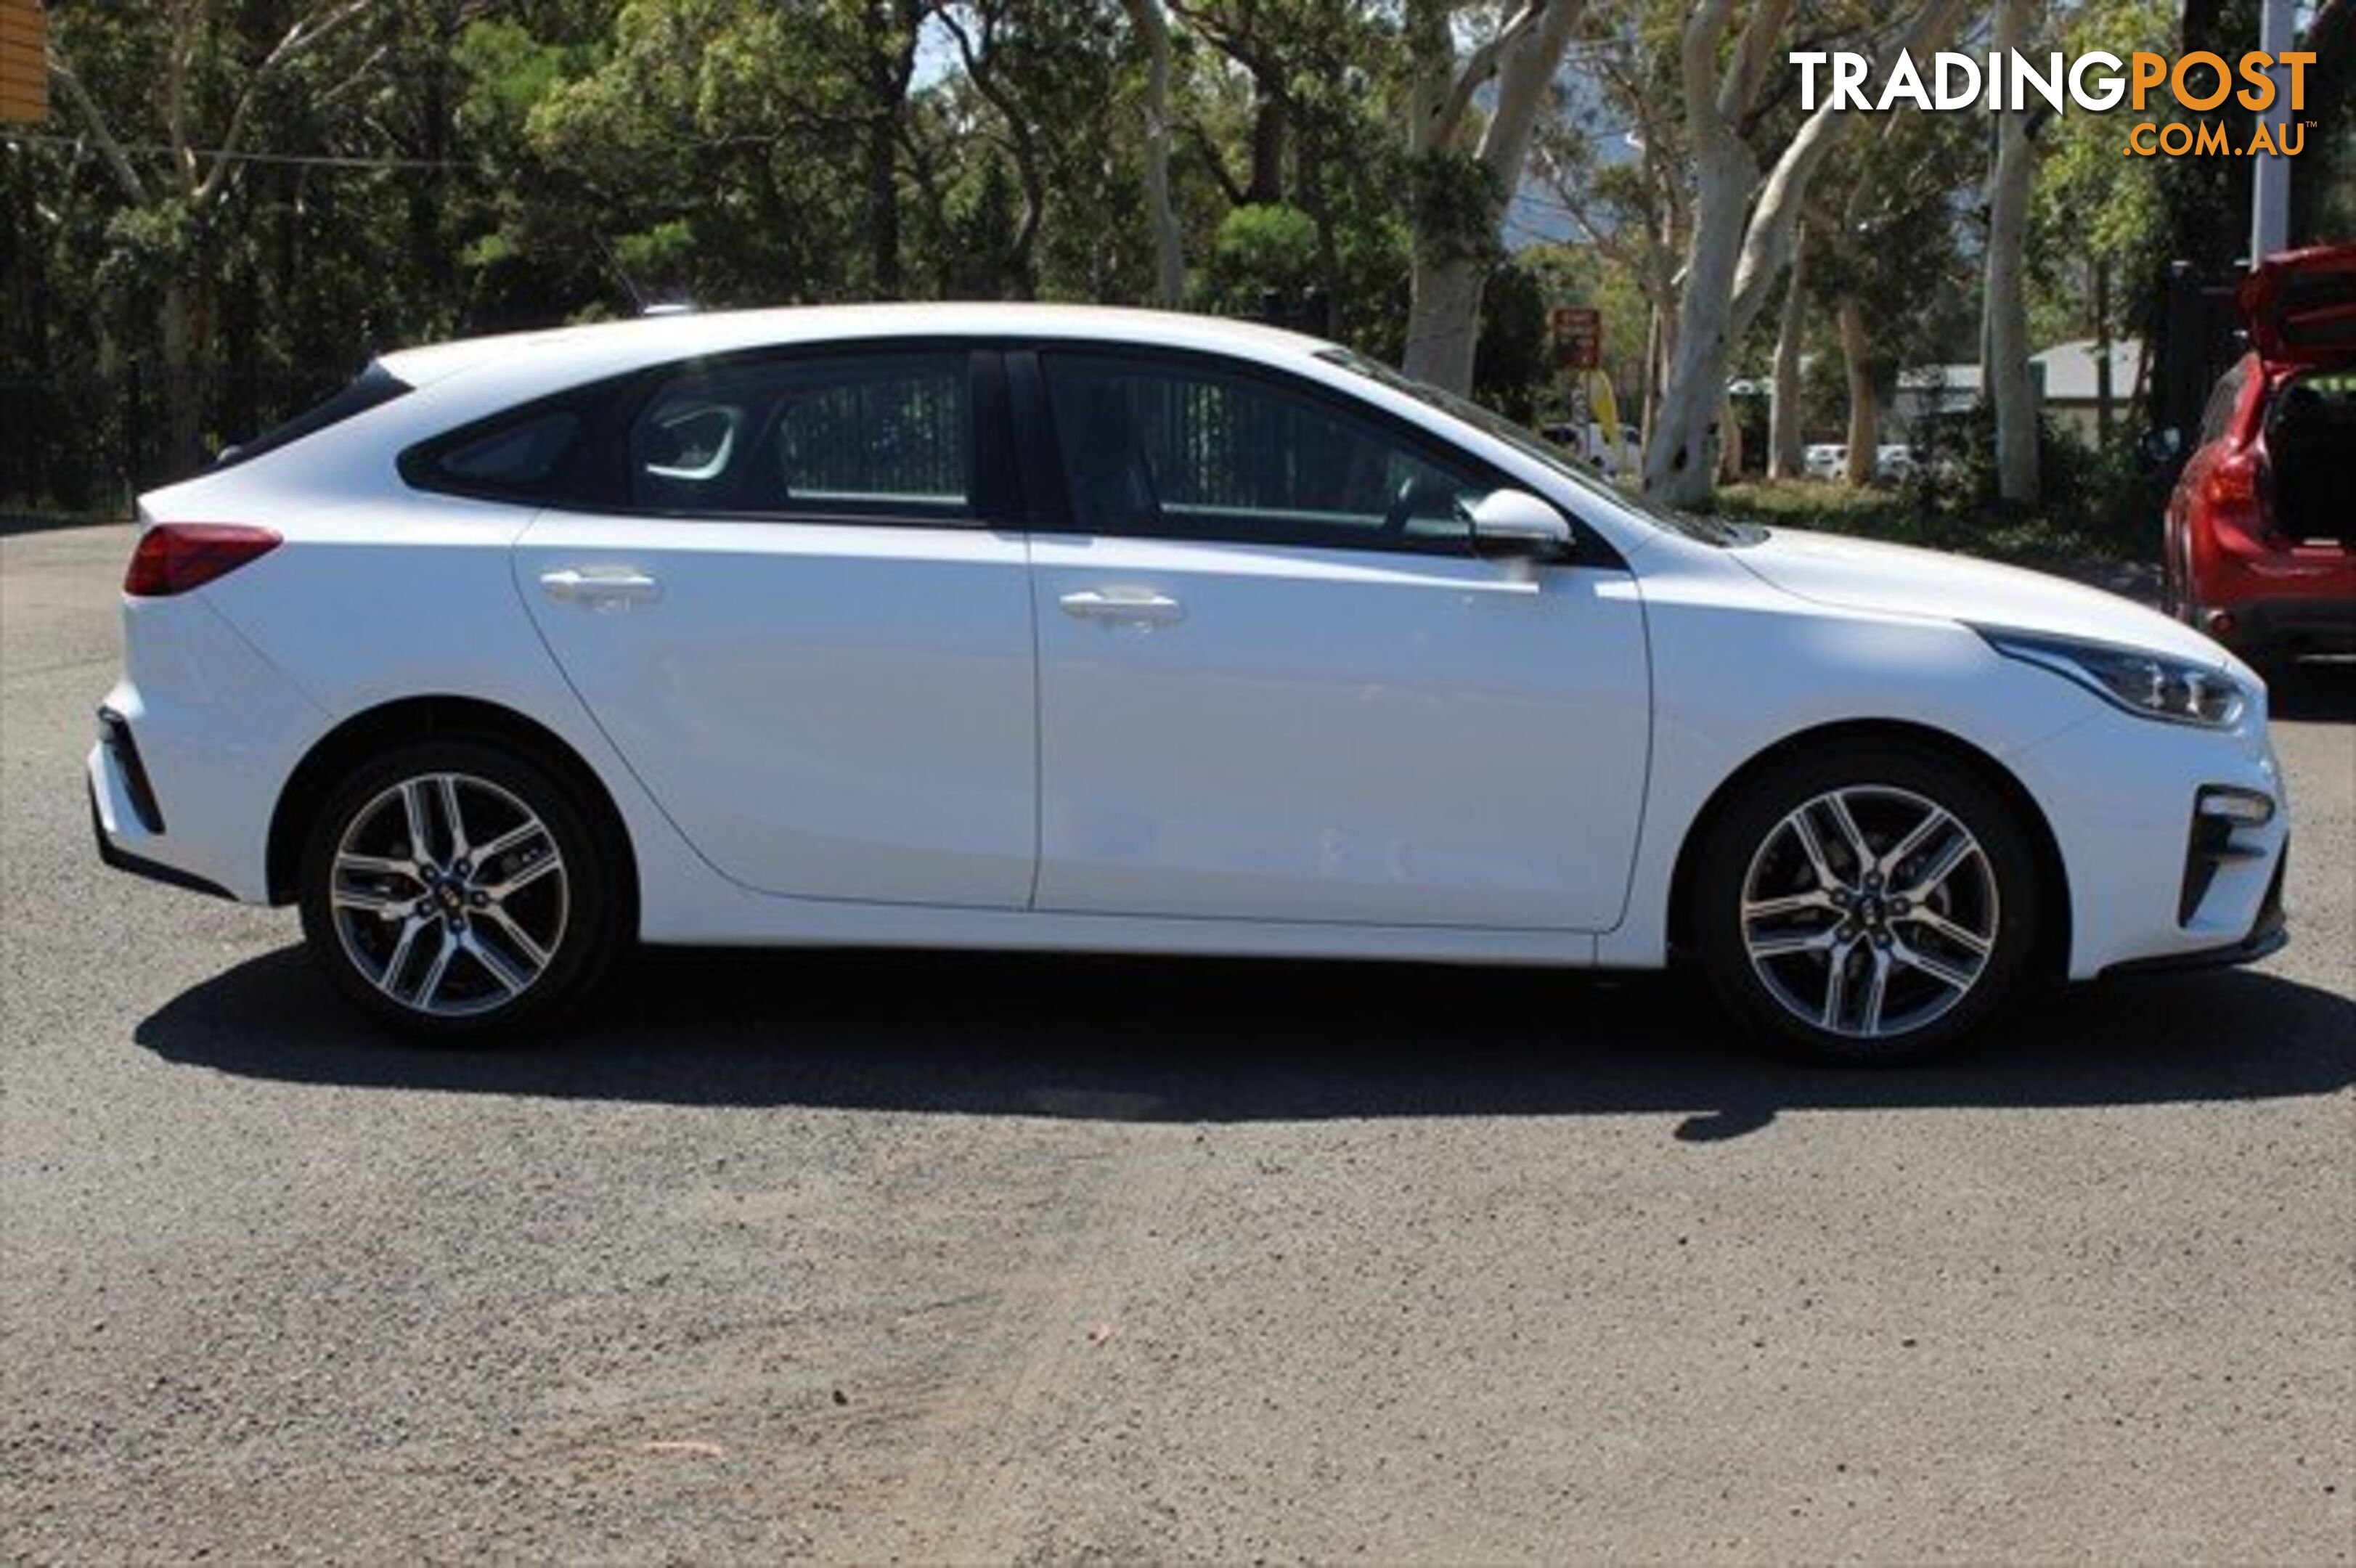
(1514, 524)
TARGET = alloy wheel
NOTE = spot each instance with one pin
(449, 895)
(1870, 911)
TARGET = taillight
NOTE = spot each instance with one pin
(172, 557)
(2229, 491)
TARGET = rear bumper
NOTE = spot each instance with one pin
(194, 745)
(154, 871)
(2327, 625)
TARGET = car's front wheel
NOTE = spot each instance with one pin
(454, 888)
(1867, 904)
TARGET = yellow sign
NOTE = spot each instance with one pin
(24, 68)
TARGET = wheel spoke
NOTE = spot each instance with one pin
(514, 837)
(1837, 805)
(428, 987)
(1970, 941)
(1814, 847)
(501, 891)
(499, 969)
(1934, 822)
(1784, 946)
(1961, 848)
(1951, 975)
(523, 940)
(1835, 987)
(388, 982)
(377, 866)
(447, 783)
(1876, 992)
(379, 904)
(1794, 903)
(413, 812)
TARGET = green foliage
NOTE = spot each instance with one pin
(1259, 248)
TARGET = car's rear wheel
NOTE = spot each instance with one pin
(457, 890)
(1868, 904)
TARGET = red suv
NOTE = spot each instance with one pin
(2261, 548)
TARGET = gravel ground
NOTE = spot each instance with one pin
(933, 1257)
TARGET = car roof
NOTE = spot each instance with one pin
(607, 348)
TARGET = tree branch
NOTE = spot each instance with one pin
(305, 32)
(109, 148)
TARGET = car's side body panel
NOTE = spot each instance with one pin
(827, 710)
(1335, 735)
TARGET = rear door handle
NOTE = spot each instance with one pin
(1123, 607)
(600, 587)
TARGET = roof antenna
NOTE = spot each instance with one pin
(639, 300)
(629, 285)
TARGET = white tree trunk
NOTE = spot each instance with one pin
(1736, 255)
(1786, 452)
(2004, 303)
(1679, 462)
(1169, 249)
(1864, 398)
(1450, 271)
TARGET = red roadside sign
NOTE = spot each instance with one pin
(1578, 336)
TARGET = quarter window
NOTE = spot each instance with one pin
(1169, 448)
(834, 435)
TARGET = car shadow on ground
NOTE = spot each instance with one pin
(2313, 691)
(1195, 1040)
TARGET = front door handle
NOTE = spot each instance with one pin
(1123, 607)
(604, 588)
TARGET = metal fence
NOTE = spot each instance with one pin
(82, 443)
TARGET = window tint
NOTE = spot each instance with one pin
(372, 387)
(1171, 448)
(530, 455)
(837, 434)
(517, 456)
(2222, 403)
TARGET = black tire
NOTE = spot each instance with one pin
(555, 927)
(1754, 850)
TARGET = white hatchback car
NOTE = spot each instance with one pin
(1025, 627)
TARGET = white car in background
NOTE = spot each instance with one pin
(1826, 460)
(1030, 627)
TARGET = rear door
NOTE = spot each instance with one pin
(805, 626)
(1275, 684)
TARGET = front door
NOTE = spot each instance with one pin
(1275, 685)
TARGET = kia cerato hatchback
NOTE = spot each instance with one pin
(980, 626)
(2261, 530)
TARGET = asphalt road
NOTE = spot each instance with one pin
(927, 1257)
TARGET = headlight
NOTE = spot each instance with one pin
(2152, 685)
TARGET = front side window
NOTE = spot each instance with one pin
(885, 434)
(1176, 449)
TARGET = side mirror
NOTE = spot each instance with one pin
(2160, 445)
(1514, 524)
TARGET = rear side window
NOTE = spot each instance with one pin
(519, 456)
(534, 455)
(2223, 400)
(887, 434)
(370, 388)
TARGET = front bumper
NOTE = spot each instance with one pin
(2269, 934)
(2123, 797)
